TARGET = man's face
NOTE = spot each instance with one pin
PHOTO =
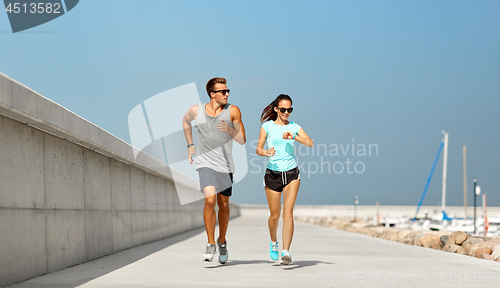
(219, 97)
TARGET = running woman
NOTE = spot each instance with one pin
(218, 123)
(282, 174)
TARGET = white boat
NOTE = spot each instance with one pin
(442, 221)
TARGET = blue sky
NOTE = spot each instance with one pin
(389, 73)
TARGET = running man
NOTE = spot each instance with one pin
(282, 174)
(218, 123)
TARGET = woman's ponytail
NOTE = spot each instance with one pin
(268, 113)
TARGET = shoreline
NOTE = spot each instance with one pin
(370, 211)
(456, 242)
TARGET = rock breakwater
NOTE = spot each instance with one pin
(456, 242)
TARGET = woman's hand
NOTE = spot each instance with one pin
(288, 135)
(270, 152)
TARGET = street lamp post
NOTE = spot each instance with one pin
(477, 191)
(356, 202)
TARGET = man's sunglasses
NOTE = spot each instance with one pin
(282, 110)
(224, 91)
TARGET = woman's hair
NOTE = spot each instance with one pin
(268, 113)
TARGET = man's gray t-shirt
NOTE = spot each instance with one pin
(215, 148)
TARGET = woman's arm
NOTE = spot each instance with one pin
(303, 138)
(260, 145)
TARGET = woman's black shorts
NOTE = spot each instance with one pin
(277, 180)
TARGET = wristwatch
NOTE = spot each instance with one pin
(189, 145)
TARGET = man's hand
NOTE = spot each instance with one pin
(191, 150)
(223, 127)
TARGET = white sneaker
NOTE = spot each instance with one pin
(286, 257)
(210, 253)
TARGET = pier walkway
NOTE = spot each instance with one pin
(322, 257)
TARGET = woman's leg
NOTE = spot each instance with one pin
(274, 202)
(289, 196)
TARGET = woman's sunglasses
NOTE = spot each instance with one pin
(282, 110)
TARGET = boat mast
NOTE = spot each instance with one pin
(485, 216)
(465, 183)
(445, 160)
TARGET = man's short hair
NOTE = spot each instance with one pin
(211, 84)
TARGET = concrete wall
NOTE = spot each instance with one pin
(70, 192)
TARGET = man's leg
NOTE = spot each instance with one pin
(223, 202)
(209, 212)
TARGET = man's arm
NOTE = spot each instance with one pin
(188, 130)
(239, 130)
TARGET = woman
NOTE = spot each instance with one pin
(282, 174)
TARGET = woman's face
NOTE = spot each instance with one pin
(283, 116)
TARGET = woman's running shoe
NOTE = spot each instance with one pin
(273, 250)
(286, 257)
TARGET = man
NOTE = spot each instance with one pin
(218, 124)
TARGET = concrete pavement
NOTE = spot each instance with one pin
(322, 257)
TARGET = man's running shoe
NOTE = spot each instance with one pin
(209, 254)
(286, 257)
(273, 250)
(222, 252)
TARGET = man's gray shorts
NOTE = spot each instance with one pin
(223, 182)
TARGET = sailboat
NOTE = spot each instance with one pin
(444, 143)
(445, 222)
